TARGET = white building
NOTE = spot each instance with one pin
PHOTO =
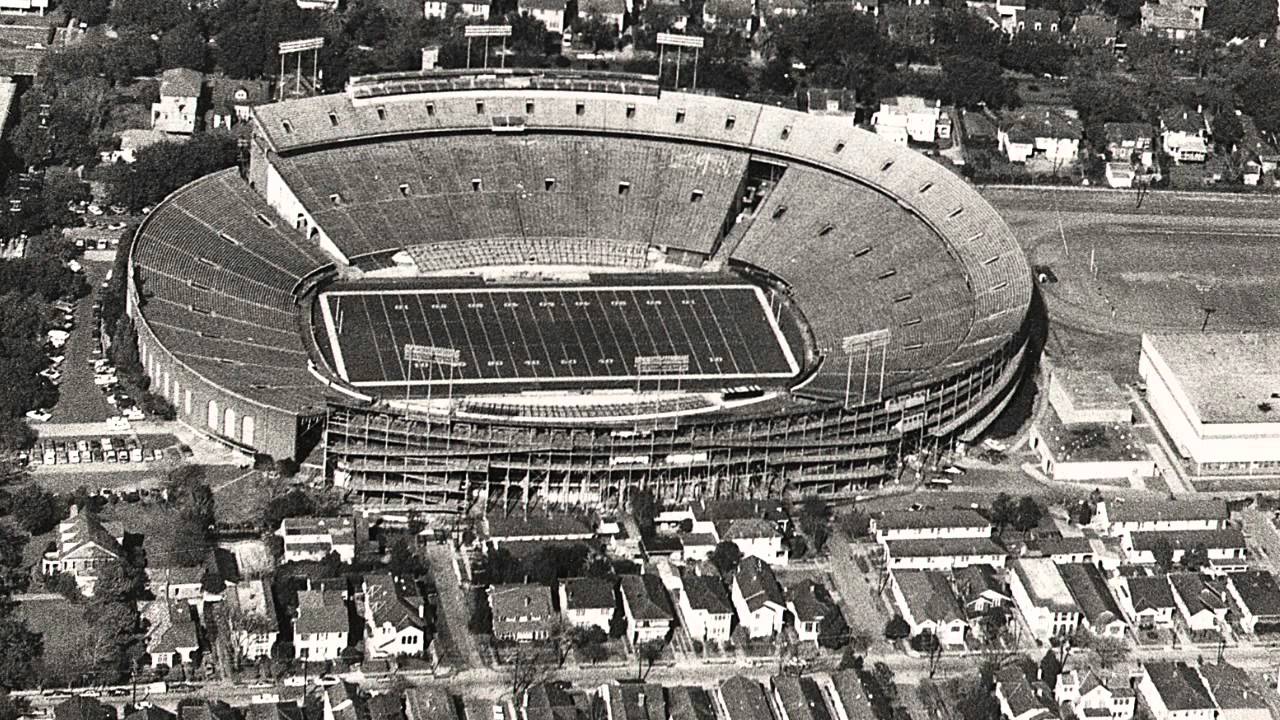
(1046, 135)
(758, 599)
(251, 615)
(83, 546)
(929, 525)
(1116, 517)
(1201, 602)
(24, 6)
(943, 554)
(1094, 695)
(908, 117)
(1185, 134)
(1146, 600)
(393, 613)
(587, 601)
(312, 538)
(1043, 598)
(647, 608)
(926, 600)
(1212, 393)
(550, 12)
(1225, 547)
(177, 110)
(705, 607)
(321, 629)
(1174, 691)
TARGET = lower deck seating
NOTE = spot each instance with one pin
(459, 254)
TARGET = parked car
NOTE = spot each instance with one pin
(39, 415)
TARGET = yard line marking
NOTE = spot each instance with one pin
(587, 316)
(672, 346)
(581, 348)
(781, 337)
(728, 348)
(506, 340)
(373, 337)
(684, 330)
(742, 340)
(466, 297)
(395, 346)
(631, 333)
(623, 360)
(516, 320)
(412, 339)
(335, 347)
(542, 339)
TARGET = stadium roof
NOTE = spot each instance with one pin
(1226, 377)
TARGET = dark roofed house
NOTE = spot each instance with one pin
(429, 703)
(1175, 690)
(686, 702)
(536, 528)
(521, 612)
(798, 698)
(1036, 20)
(1225, 547)
(758, 598)
(979, 588)
(272, 711)
(1237, 696)
(204, 709)
(153, 712)
(1130, 142)
(1258, 596)
(930, 525)
(543, 701)
(735, 15)
(925, 599)
(394, 615)
(808, 603)
(385, 706)
(1115, 517)
(744, 699)
(1020, 699)
(610, 11)
(83, 708)
(706, 608)
(587, 601)
(1174, 19)
(1150, 601)
(1098, 608)
(636, 701)
(649, 612)
(854, 703)
(1201, 601)
(321, 629)
(231, 100)
(1044, 134)
(1094, 29)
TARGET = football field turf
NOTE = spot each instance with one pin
(535, 336)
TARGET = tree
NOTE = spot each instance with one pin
(22, 651)
(593, 653)
(648, 653)
(617, 625)
(161, 168)
(1050, 667)
(975, 83)
(1196, 557)
(404, 562)
(1228, 131)
(481, 620)
(815, 520)
(526, 667)
(856, 524)
(859, 641)
(12, 708)
(896, 629)
(1027, 515)
(644, 509)
(834, 632)
(725, 557)
(183, 47)
(883, 676)
(37, 510)
(1110, 650)
(13, 575)
(994, 622)
(1163, 553)
(1002, 512)
(976, 699)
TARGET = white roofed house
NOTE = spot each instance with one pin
(312, 538)
(908, 118)
(930, 525)
(549, 12)
(83, 546)
(177, 110)
(758, 599)
(771, 11)
(394, 617)
(587, 601)
(251, 616)
(1201, 601)
(1094, 694)
(756, 537)
(1042, 596)
(1116, 517)
(925, 599)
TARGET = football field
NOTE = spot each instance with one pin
(547, 337)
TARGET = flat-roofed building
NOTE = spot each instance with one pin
(943, 554)
(1043, 598)
(1217, 395)
(1117, 516)
(1088, 396)
(930, 525)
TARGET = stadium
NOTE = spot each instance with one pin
(519, 286)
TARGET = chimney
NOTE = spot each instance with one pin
(640, 699)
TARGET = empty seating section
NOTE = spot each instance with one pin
(657, 406)
(400, 193)
(893, 272)
(460, 254)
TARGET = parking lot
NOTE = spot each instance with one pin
(80, 401)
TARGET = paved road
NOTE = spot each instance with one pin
(1101, 200)
(80, 401)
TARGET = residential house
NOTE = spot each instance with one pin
(771, 11)
(154, 712)
(944, 554)
(960, 523)
(83, 708)
(1062, 549)
(1201, 601)
(426, 702)
(853, 703)
(1094, 694)
(394, 617)
(587, 601)
(178, 584)
(322, 628)
(757, 598)
(925, 599)
(1185, 135)
(549, 12)
(1007, 11)
(467, 8)
(688, 702)
(171, 634)
(869, 7)
(1042, 134)
(1258, 597)
(706, 608)
(740, 698)
(1043, 598)
(177, 111)
(1091, 29)
(611, 12)
(808, 603)
(732, 15)
(251, 616)
(313, 538)
(83, 546)
(798, 698)
(910, 118)
(1130, 142)
(647, 608)
(342, 701)
(1020, 699)
(1147, 600)
(1234, 692)
(1225, 547)
(1036, 20)
(24, 6)
(634, 701)
(830, 102)
(757, 527)
(279, 710)
(500, 530)
(1098, 608)
(1174, 691)
(1174, 19)
(130, 142)
(522, 613)
(231, 101)
(980, 588)
(755, 537)
(1116, 517)
(204, 709)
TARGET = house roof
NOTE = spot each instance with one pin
(516, 527)
(853, 696)
(1183, 120)
(731, 509)
(1089, 588)
(175, 575)
(392, 600)
(510, 602)
(1028, 124)
(588, 593)
(1031, 16)
(1179, 686)
(1045, 585)
(252, 597)
(1231, 687)
(930, 519)
(208, 710)
(82, 708)
(944, 547)
(707, 593)
(225, 94)
(549, 5)
(543, 701)
(800, 698)
(1258, 590)
(1119, 132)
(685, 702)
(928, 595)
(169, 628)
(637, 701)
(1150, 593)
(804, 599)
(1098, 27)
(744, 699)
(273, 711)
(729, 9)
(339, 528)
(429, 703)
(1115, 684)
(647, 598)
(181, 82)
(82, 533)
(602, 7)
(1022, 697)
(1196, 592)
(758, 584)
(745, 529)
(385, 706)
(1172, 14)
(1167, 510)
(321, 611)
(1228, 537)
(973, 580)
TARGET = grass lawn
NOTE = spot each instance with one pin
(157, 524)
(62, 624)
(240, 495)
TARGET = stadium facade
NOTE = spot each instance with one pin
(525, 286)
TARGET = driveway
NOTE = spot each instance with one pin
(455, 609)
